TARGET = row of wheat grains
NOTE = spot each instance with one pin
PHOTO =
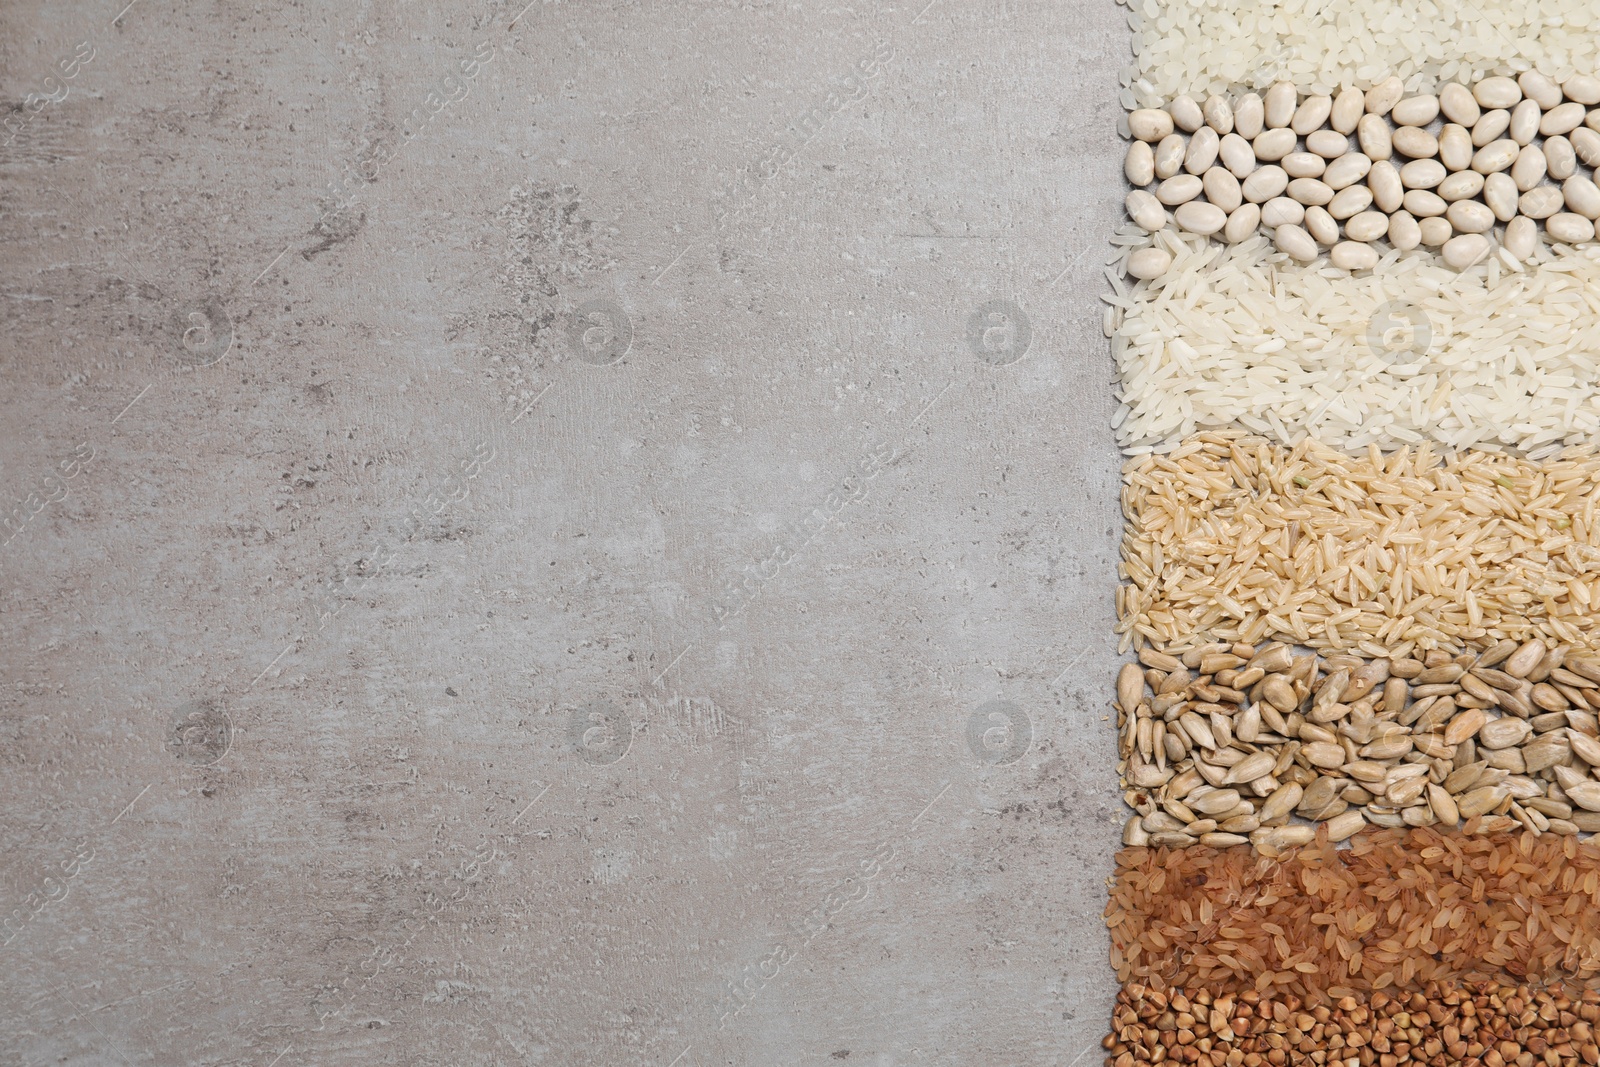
(1360, 567)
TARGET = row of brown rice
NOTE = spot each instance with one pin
(1395, 910)
(1235, 538)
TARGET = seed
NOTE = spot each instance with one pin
(1179, 189)
(1464, 251)
(1480, 800)
(1147, 211)
(1344, 826)
(1202, 151)
(1265, 183)
(1217, 801)
(1149, 263)
(1496, 157)
(1199, 217)
(1539, 88)
(1258, 765)
(1530, 168)
(1150, 124)
(1134, 834)
(1570, 228)
(1218, 114)
(1296, 243)
(1416, 110)
(1443, 805)
(1503, 733)
(1324, 755)
(1463, 726)
(1281, 803)
(1280, 104)
(1561, 159)
(1248, 116)
(1140, 164)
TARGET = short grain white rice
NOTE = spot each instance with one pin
(1199, 48)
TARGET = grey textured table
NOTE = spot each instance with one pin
(581, 535)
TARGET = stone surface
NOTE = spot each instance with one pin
(493, 592)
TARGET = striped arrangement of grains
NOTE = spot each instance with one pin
(1483, 1025)
(1356, 323)
(1241, 335)
(1322, 46)
(1234, 538)
(1394, 911)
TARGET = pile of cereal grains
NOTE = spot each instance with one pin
(1482, 1025)
(1184, 47)
(1395, 910)
(1233, 538)
(1344, 172)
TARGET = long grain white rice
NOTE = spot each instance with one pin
(1199, 48)
(1241, 335)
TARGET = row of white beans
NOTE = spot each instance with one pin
(1440, 171)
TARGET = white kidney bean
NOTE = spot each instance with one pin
(1202, 151)
(1146, 210)
(1351, 201)
(1422, 174)
(1281, 211)
(1381, 98)
(1497, 93)
(1435, 232)
(1469, 216)
(1489, 128)
(1273, 145)
(1404, 233)
(1222, 189)
(1280, 105)
(1348, 107)
(1586, 143)
(1569, 228)
(1321, 225)
(1424, 204)
(1353, 255)
(1416, 142)
(1529, 169)
(1539, 88)
(1219, 114)
(1372, 132)
(1311, 115)
(1458, 104)
(1186, 113)
(1178, 189)
(1148, 263)
(1304, 165)
(1237, 155)
(1149, 124)
(1455, 147)
(1582, 88)
(1521, 239)
(1495, 157)
(1242, 223)
(1582, 196)
(1347, 170)
(1501, 194)
(1310, 191)
(1416, 110)
(1366, 226)
(1140, 165)
(1384, 181)
(1169, 155)
(1541, 203)
(1562, 119)
(1525, 121)
(1199, 217)
(1461, 185)
(1295, 242)
(1462, 252)
(1266, 183)
(1329, 144)
(1248, 116)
